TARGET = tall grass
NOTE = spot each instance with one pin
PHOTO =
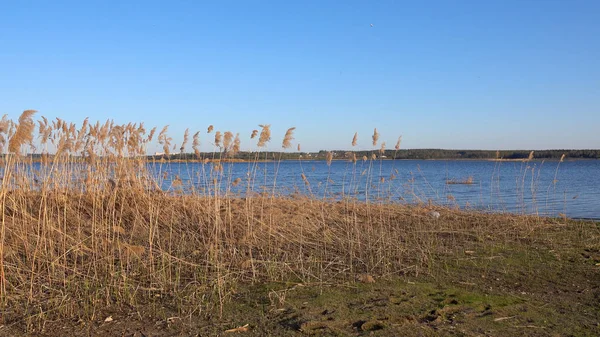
(95, 224)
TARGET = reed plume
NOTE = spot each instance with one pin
(218, 138)
(355, 139)
(329, 158)
(254, 134)
(304, 179)
(196, 144)
(298, 147)
(227, 139)
(141, 129)
(375, 137)
(163, 132)
(265, 135)
(133, 142)
(382, 149)
(530, 156)
(4, 129)
(210, 128)
(236, 144)
(41, 127)
(186, 136)
(151, 134)
(23, 133)
(164, 140)
(397, 147)
(287, 139)
(45, 136)
(562, 158)
(351, 156)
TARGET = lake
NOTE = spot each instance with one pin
(550, 188)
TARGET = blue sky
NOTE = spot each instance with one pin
(443, 74)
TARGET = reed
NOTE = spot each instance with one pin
(397, 146)
(265, 135)
(375, 137)
(287, 139)
(98, 225)
(23, 133)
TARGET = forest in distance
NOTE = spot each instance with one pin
(421, 154)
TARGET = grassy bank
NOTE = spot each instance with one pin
(74, 260)
(96, 247)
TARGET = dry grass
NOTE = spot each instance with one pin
(287, 139)
(81, 233)
(24, 132)
(265, 135)
(329, 158)
(397, 147)
(375, 137)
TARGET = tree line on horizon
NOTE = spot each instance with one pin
(394, 154)
(386, 154)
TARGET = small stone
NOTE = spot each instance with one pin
(434, 214)
(365, 278)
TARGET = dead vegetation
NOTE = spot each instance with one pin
(92, 228)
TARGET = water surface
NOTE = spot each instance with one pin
(537, 187)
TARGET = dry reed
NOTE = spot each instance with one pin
(287, 139)
(530, 157)
(304, 179)
(218, 138)
(397, 147)
(375, 137)
(236, 145)
(186, 136)
(265, 135)
(227, 140)
(24, 132)
(196, 144)
(119, 231)
(329, 158)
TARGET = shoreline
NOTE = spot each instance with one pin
(208, 160)
(225, 262)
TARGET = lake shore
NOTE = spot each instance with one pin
(126, 261)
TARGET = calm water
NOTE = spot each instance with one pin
(545, 188)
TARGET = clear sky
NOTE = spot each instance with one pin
(444, 74)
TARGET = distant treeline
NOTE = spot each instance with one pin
(484, 154)
(399, 154)
(387, 154)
